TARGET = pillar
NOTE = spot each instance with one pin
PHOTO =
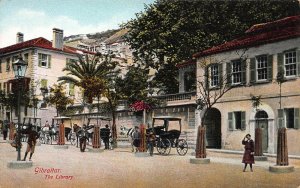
(61, 136)
(96, 137)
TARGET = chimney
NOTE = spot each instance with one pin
(20, 37)
(58, 38)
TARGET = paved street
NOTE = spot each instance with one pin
(120, 168)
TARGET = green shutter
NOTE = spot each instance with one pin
(49, 61)
(243, 63)
(298, 62)
(296, 118)
(280, 65)
(206, 77)
(270, 68)
(71, 89)
(230, 121)
(243, 120)
(40, 60)
(228, 73)
(220, 69)
(44, 83)
(280, 118)
(252, 70)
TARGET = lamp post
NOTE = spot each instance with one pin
(19, 68)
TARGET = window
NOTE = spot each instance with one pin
(289, 118)
(236, 72)
(0, 67)
(290, 63)
(262, 68)
(7, 64)
(44, 60)
(214, 75)
(237, 120)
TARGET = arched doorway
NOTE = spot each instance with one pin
(261, 121)
(213, 128)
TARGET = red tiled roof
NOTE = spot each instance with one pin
(259, 34)
(39, 43)
(186, 63)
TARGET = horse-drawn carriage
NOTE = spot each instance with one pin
(166, 138)
(85, 133)
(50, 134)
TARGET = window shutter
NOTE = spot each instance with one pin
(230, 121)
(206, 77)
(228, 73)
(270, 68)
(243, 120)
(44, 83)
(280, 118)
(71, 89)
(280, 64)
(40, 60)
(243, 63)
(220, 69)
(298, 61)
(296, 118)
(49, 61)
(252, 70)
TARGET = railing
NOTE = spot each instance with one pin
(177, 96)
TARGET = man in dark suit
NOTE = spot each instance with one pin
(32, 136)
(105, 136)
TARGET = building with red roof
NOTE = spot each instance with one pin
(250, 66)
(46, 60)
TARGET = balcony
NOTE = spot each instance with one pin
(177, 99)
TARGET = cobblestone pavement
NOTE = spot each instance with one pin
(120, 168)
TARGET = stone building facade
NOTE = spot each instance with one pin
(267, 49)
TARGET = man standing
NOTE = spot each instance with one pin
(105, 137)
(136, 138)
(32, 136)
(5, 129)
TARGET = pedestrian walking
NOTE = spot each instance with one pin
(5, 129)
(31, 142)
(136, 138)
(248, 157)
(150, 141)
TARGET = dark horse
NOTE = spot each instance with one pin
(86, 131)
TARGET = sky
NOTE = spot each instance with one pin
(37, 18)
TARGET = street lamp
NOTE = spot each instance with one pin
(19, 68)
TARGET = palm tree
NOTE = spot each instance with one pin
(94, 75)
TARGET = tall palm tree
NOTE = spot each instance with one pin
(94, 75)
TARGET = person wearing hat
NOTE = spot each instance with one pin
(31, 142)
(248, 157)
(150, 141)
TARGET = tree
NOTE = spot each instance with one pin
(208, 97)
(172, 31)
(57, 98)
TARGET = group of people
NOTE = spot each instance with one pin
(136, 140)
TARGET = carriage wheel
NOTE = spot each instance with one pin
(182, 147)
(164, 146)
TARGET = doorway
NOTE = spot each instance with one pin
(213, 128)
(261, 121)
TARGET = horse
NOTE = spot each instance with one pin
(80, 130)
(129, 134)
(53, 132)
